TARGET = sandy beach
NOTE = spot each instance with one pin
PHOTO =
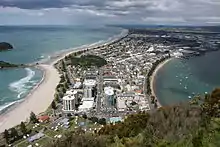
(37, 101)
(153, 79)
(40, 98)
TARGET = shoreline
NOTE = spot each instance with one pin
(152, 81)
(58, 55)
(37, 100)
(41, 96)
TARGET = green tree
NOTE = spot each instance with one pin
(84, 116)
(197, 139)
(63, 89)
(94, 119)
(56, 97)
(6, 136)
(66, 86)
(102, 121)
(63, 66)
(14, 133)
(67, 78)
(211, 105)
(155, 105)
(59, 86)
(61, 94)
(33, 118)
(53, 106)
(23, 128)
(152, 99)
(62, 79)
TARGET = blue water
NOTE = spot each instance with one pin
(180, 80)
(33, 43)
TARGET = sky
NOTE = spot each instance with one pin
(94, 12)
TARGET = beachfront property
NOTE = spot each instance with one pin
(122, 84)
(69, 101)
(88, 95)
(109, 96)
(88, 86)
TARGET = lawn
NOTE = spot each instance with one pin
(25, 143)
(42, 142)
(49, 133)
(52, 133)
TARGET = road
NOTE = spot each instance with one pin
(146, 95)
(70, 75)
(99, 90)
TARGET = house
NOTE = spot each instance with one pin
(44, 118)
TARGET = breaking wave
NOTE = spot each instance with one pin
(21, 86)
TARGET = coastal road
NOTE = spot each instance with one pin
(99, 90)
(146, 95)
(70, 75)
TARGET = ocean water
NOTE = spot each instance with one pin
(180, 80)
(34, 43)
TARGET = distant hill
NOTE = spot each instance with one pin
(5, 46)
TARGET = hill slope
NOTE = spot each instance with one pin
(187, 125)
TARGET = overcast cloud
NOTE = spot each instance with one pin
(176, 12)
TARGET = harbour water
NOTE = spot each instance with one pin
(180, 80)
(35, 43)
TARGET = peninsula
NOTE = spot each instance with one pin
(4, 65)
(96, 88)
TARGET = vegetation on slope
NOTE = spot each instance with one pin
(193, 125)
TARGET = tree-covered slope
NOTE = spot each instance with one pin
(196, 124)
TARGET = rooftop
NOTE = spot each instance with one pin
(71, 92)
(86, 105)
(109, 91)
(89, 82)
(69, 97)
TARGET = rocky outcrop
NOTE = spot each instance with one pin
(4, 46)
